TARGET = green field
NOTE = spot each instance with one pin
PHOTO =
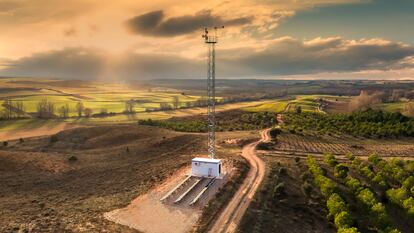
(276, 107)
(111, 102)
(394, 107)
(306, 102)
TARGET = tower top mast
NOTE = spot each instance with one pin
(211, 41)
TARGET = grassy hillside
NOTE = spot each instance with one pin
(69, 182)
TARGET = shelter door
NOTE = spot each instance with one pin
(210, 171)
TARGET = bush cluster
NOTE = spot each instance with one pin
(246, 121)
(337, 207)
(403, 196)
(392, 169)
(378, 215)
(368, 123)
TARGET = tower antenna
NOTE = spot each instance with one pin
(211, 41)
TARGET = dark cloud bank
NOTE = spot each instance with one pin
(285, 56)
(156, 24)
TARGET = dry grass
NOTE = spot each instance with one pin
(40, 190)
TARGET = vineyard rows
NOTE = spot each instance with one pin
(381, 190)
(299, 143)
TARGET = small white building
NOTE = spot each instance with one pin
(206, 167)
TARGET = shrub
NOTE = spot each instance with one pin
(367, 171)
(397, 195)
(343, 220)
(374, 159)
(5, 143)
(350, 156)
(367, 197)
(393, 231)
(263, 146)
(335, 205)
(305, 176)
(313, 167)
(282, 171)
(379, 217)
(279, 190)
(326, 185)
(72, 158)
(408, 204)
(341, 171)
(379, 179)
(274, 132)
(330, 159)
(307, 188)
(348, 230)
(354, 184)
(54, 138)
(408, 183)
(21, 140)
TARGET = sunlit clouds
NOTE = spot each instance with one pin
(161, 39)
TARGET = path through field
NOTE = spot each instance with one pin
(234, 211)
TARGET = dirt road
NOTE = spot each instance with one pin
(234, 211)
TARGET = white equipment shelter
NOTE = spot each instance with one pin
(206, 167)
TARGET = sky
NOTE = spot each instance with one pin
(272, 39)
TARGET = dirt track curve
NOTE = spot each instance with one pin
(230, 217)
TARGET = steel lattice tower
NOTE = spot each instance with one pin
(211, 41)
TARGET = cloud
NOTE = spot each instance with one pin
(156, 24)
(288, 56)
(278, 57)
(68, 63)
(17, 12)
(84, 63)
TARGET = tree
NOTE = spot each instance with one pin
(88, 112)
(299, 109)
(341, 170)
(8, 109)
(80, 108)
(176, 102)
(330, 159)
(130, 106)
(19, 108)
(274, 132)
(45, 109)
(343, 220)
(165, 106)
(335, 205)
(64, 111)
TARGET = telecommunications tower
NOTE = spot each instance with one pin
(211, 41)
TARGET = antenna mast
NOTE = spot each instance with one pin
(211, 41)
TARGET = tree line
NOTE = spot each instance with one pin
(46, 109)
(368, 123)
